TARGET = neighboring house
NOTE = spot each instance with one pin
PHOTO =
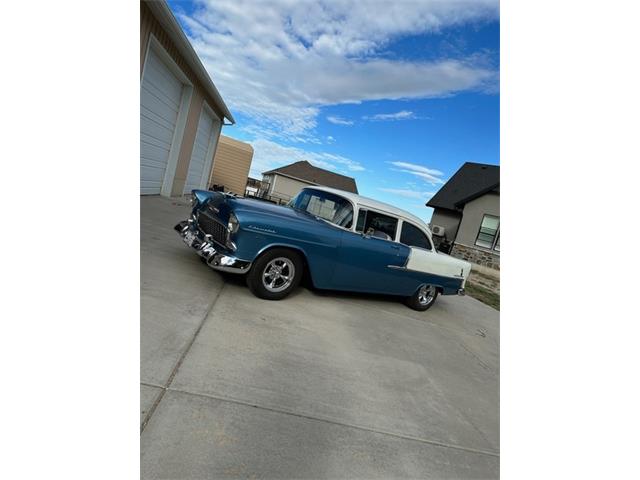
(467, 208)
(181, 111)
(231, 165)
(253, 186)
(285, 182)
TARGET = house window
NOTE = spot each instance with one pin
(489, 234)
(412, 236)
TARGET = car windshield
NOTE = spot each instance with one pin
(325, 205)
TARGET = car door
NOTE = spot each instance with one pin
(364, 258)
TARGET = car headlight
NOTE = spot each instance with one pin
(233, 223)
(193, 200)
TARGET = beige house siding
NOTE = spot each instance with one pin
(286, 187)
(149, 25)
(231, 165)
(472, 214)
(447, 219)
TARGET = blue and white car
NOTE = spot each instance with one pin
(342, 240)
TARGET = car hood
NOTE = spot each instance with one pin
(263, 208)
(222, 205)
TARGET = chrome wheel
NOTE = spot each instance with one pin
(426, 294)
(278, 274)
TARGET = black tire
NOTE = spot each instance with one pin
(420, 300)
(284, 263)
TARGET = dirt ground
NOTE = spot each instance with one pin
(485, 288)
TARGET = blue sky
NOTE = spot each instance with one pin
(397, 95)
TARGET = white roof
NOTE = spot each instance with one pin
(375, 205)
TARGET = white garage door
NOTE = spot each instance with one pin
(160, 97)
(202, 155)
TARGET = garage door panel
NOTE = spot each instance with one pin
(151, 161)
(152, 172)
(161, 79)
(201, 151)
(156, 142)
(160, 132)
(199, 154)
(149, 188)
(164, 91)
(156, 106)
(160, 98)
(156, 110)
(150, 96)
(160, 86)
(152, 151)
(205, 128)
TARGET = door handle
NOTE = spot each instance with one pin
(395, 247)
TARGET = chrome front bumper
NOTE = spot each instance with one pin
(207, 250)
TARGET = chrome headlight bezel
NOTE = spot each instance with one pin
(233, 225)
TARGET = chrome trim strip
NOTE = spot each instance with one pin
(207, 250)
(426, 273)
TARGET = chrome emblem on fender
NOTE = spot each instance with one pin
(259, 229)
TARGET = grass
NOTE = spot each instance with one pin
(483, 294)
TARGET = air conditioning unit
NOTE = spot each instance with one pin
(437, 230)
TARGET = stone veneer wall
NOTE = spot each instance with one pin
(475, 255)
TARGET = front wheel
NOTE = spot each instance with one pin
(423, 298)
(275, 274)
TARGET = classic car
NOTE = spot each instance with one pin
(343, 240)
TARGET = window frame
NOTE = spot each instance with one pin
(496, 236)
(429, 241)
(368, 209)
(354, 207)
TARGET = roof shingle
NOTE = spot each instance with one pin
(303, 170)
(469, 182)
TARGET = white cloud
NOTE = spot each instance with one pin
(430, 175)
(269, 155)
(401, 115)
(338, 120)
(409, 193)
(280, 62)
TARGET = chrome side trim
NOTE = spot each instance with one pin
(426, 273)
(405, 268)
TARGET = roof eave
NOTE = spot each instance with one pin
(464, 201)
(168, 20)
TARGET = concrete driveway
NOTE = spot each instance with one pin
(320, 385)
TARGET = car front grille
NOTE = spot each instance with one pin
(212, 227)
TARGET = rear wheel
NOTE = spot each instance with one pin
(423, 298)
(275, 274)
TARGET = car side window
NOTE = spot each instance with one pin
(362, 215)
(412, 236)
(325, 205)
(377, 224)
